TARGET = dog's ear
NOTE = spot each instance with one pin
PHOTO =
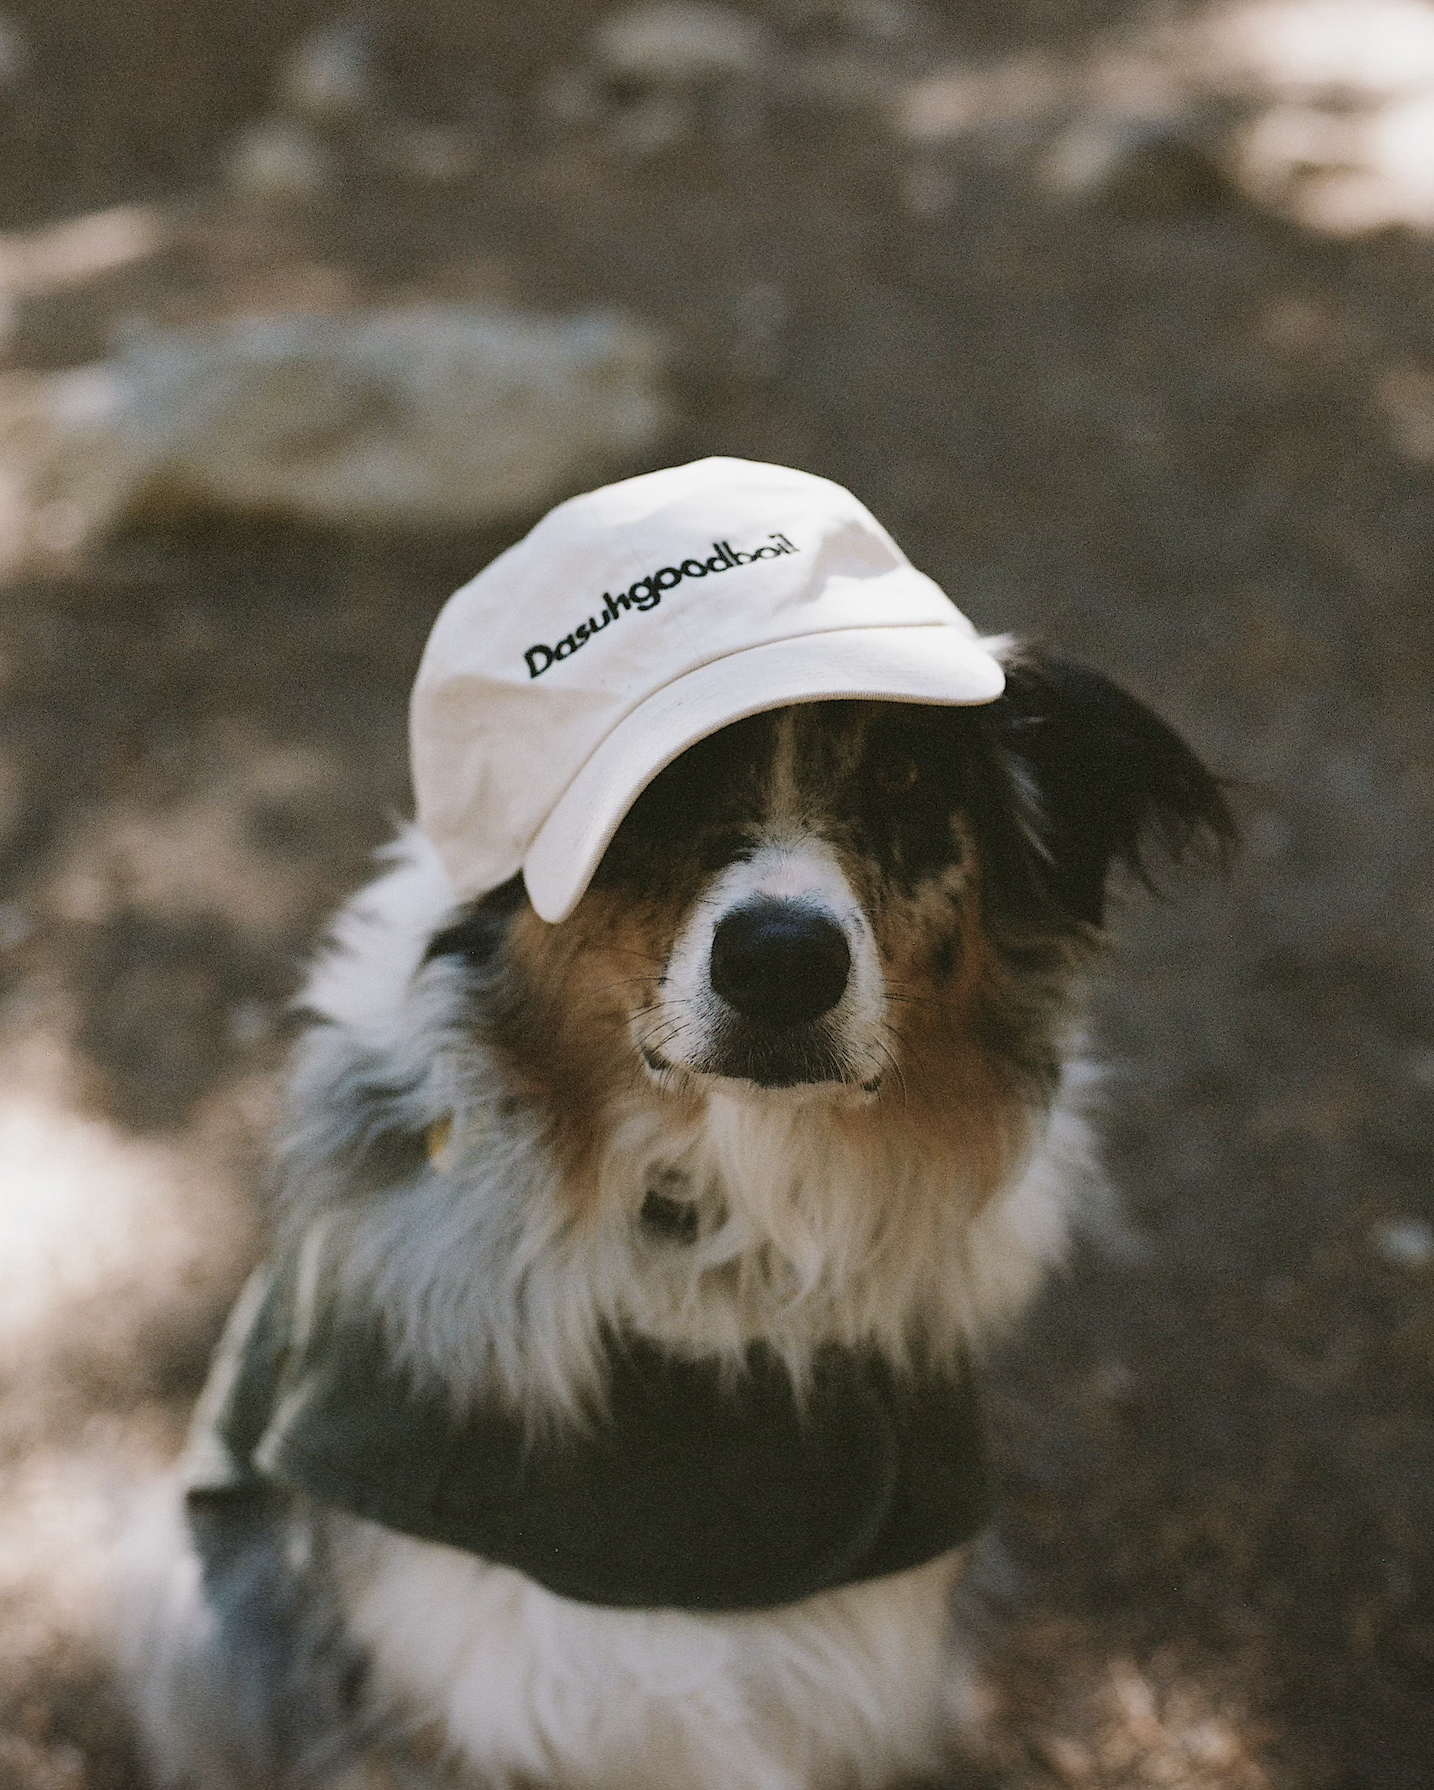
(1111, 783)
(478, 933)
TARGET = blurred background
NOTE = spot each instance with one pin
(1122, 318)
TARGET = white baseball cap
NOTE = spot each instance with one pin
(632, 622)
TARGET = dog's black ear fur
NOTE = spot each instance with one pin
(478, 933)
(1111, 782)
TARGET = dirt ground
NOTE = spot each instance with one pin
(1145, 428)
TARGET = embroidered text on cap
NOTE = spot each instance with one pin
(646, 593)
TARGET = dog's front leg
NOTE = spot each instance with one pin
(244, 1679)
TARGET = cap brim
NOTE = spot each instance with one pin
(929, 664)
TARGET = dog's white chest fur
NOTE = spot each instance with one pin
(519, 1685)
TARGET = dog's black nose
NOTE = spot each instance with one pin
(780, 963)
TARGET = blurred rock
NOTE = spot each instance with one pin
(329, 76)
(657, 75)
(1404, 398)
(1404, 1243)
(429, 154)
(79, 248)
(1339, 95)
(14, 52)
(682, 43)
(1010, 104)
(339, 109)
(1149, 166)
(1121, 128)
(278, 159)
(1325, 107)
(415, 417)
(58, 282)
(874, 21)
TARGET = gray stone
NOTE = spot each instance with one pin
(657, 75)
(682, 43)
(14, 53)
(410, 417)
(1404, 1243)
(328, 77)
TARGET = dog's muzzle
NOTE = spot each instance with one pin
(779, 966)
(773, 980)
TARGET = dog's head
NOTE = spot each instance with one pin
(838, 901)
(791, 1070)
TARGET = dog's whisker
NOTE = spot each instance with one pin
(893, 1063)
(667, 1038)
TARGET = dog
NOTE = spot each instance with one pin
(799, 1083)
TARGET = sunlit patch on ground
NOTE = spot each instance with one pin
(1068, 1714)
(117, 1255)
(63, 1510)
(1321, 111)
(96, 1227)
